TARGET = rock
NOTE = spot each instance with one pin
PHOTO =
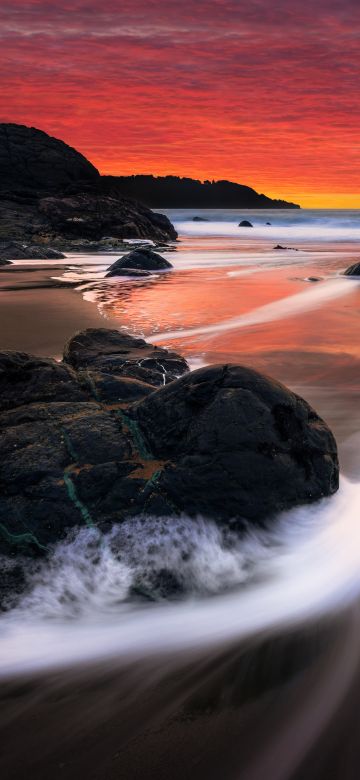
(353, 270)
(289, 248)
(116, 352)
(130, 272)
(16, 251)
(239, 446)
(313, 279)
(4, 262)
(32, 160)
(200, 219)
(267, 223)
(50, 193)
(83, 442)
(245, 223)
(140, 259)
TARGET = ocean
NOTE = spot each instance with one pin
(249, 674)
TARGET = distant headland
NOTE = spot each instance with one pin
(177, 192)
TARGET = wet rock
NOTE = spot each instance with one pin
(245, 223)
(314, 279)
(4, 262)
(353, 270)
(16, 251)
(116, 352)
(267, 223)
(134, 272)
(200, 219)
(239, 446)
(289, 248)
(141, 260)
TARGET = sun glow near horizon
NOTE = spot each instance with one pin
(262, 94)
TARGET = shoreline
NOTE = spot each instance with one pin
(52, 317)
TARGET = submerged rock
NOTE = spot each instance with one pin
(353, 270)
(245, 223)
(141, 260)
(99, 438)
(200, 219)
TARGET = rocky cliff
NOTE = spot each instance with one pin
(50, 193)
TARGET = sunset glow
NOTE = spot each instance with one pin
(261, 93)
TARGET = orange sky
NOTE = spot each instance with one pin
(257, 92)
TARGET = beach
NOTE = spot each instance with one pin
(248, 681)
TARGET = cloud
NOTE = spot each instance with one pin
(264, 93)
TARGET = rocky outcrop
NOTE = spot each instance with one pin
(32, 160)
(16, 251)
(99, 438)
(49, 193)
(245, 223)
(141, 260)
(353, 270)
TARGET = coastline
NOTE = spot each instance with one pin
(39, 314)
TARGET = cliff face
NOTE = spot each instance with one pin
(50, 193)
(176, 192)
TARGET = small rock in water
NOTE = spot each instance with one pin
(245, 223)
(313, 279)
(200, 219)
(353, 270)
(140, 259)
(288, 248)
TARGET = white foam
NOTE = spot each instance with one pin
(307, 566)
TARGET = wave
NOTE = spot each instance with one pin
(277, 310)
(86, 602)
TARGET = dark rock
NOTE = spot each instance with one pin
(135, 272)
(26, 379)
(245, 223)
(84, 443)
(4, 262)
(116, 352)
(33, 160)
(16, 251)
(314, 279)
(267, 223)
(200, 219)
(353, 270)
(139, 259)
(238, 445)
(50, 193)
(289, 248)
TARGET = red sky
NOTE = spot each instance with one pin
(260, 92)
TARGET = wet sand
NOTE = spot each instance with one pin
(38, 313)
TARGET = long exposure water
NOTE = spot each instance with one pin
(254, 673)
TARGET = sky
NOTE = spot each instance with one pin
(263, 93)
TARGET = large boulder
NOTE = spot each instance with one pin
(87, 442)
(141, 260)
(353, 270)
(238, 445)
